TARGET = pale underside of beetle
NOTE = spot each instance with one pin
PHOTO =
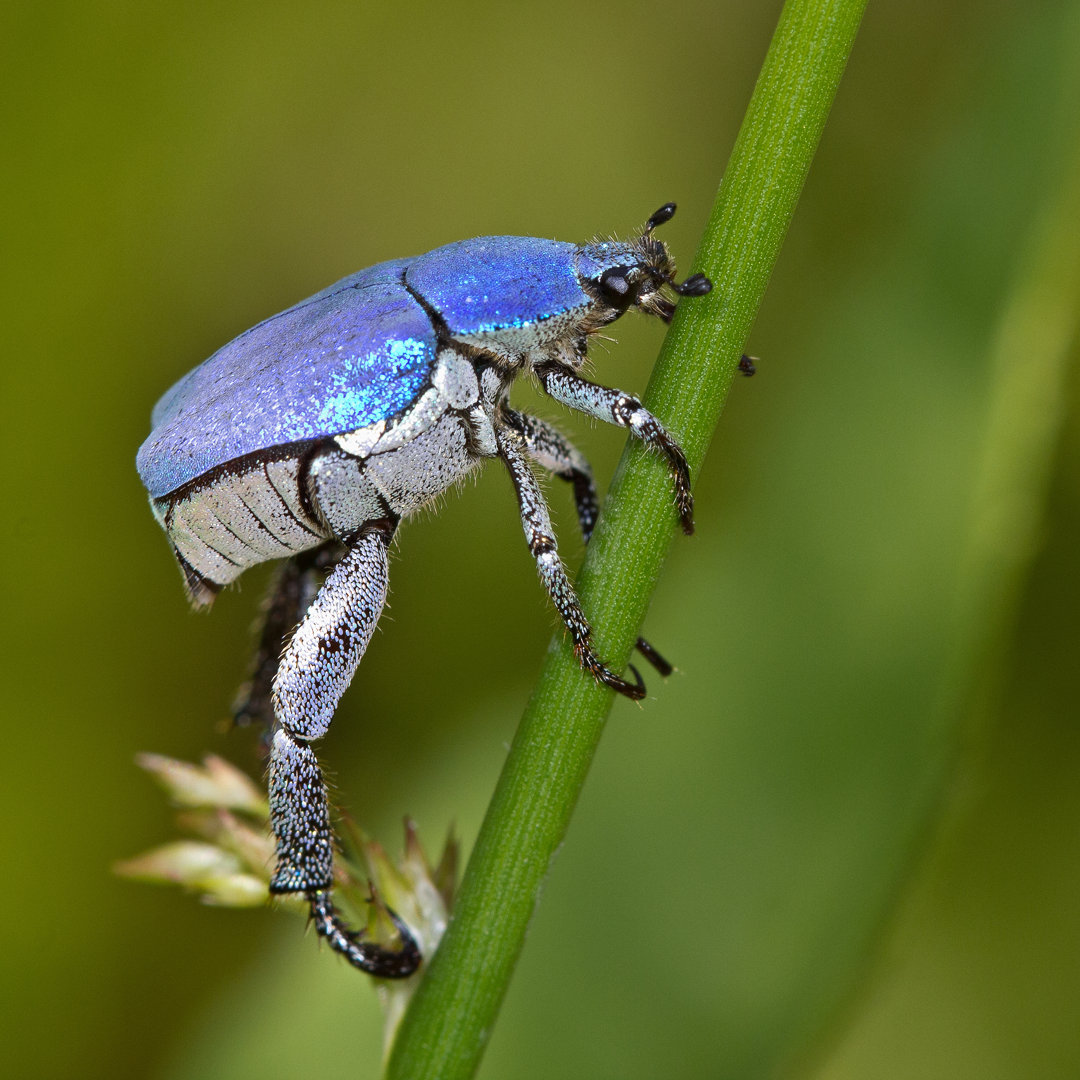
(311, 436)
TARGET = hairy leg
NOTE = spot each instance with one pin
(536, 522)
(550, 449)
(291, 593)
(315, 671)
(615, 407)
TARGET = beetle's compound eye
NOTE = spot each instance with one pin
(616, 289)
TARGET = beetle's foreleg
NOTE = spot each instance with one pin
(536, 522)
(615, 407)
(550, 449)
(291, 593)
(314, 672)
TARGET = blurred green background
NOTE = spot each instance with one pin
(842, 841)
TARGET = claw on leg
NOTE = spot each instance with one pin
(615, 407)
(536, 522)
(635, 691)
(365, 955)
(554, 452)
(653, 657)
(314, 672)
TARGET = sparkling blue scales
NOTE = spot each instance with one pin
(495, 283)
(355, 353)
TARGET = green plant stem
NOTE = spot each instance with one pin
(447, 1026)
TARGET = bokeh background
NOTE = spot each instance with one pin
(843, 840)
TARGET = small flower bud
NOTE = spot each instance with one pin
(183, 862)
(215, 783)
(230, 863)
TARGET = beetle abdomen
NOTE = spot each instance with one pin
(237, 519)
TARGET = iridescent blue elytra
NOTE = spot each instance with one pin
(357, 352)
(309, 437)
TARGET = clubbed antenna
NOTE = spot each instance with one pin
(661, 217)
(694, 285)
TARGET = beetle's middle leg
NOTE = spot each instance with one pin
(551, 450)
(536, 521)
(315, 671)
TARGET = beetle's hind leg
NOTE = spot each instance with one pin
(536, 522)
(292, 591)
(315, 670)
(548, 448)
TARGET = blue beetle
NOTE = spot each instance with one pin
(309, 437)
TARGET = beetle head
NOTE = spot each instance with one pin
(635, 273)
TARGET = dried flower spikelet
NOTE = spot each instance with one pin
(420, 895)
(230, 863)
(253, 846)
(215, 784)
(218, 876)
(181, 862)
